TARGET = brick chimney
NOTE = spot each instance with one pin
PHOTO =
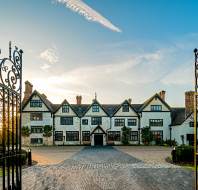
(189, 102)
(78, 100)
(162, 94)
(28, 91)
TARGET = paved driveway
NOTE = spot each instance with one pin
(107, 168)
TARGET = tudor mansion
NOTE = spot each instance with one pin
(101, 124)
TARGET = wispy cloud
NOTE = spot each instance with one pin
(50, 56)
(90, 14)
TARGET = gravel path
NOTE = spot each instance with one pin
(106, 168)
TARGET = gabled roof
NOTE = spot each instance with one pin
(147, 102)
(47, 103)
(178, 116)
(125, 102)
(98, 127)
(65, 102)
(95, 102)
(80, 109)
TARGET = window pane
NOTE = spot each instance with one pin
(134, 136)
(66, 120)
(132, 122)
(65, 109)
(113, 135)
(35, 103)
(119, 122)
(96, 120)
(36, 129)
(85, 121)
(36, 116)
(86, 135)
(156, 108)
(157, 135)
(58, 135)
(156, 122)
(36, 141)
(95, 108)
(72, 136)
(125, 108)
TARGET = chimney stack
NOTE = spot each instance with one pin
(78, 100)
(162, 94)
(28, 91)
(189, 102)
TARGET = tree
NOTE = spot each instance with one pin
(147, 135)
(47, 131)
(125, 135)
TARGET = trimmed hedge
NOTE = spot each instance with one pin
(183, 154)
(10, 160)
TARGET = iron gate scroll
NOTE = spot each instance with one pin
(10, 120)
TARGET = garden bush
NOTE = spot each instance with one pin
(183, 154)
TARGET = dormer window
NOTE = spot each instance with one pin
(95, 108)
(125, 108)
(65, 108)
(35, 103)
(156, 108)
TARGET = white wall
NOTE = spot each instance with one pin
(183, 129)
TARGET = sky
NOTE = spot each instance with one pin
(118, 49)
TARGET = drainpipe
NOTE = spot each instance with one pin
(80, 132)
(139, 125)
(170, 127)
(53, 116)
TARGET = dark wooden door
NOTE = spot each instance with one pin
(98, 139)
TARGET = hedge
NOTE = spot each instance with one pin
(183, 154)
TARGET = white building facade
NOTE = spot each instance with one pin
(99, 124)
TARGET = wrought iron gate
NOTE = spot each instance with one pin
(195, 115)
(10, 119)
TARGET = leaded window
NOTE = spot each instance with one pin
(156, 122)
(157, 135)
(66, 120)
(72, 136)
(85, 121)
(113, 135)
(86, 135)
(36, 103)
(119, 122)
(65, 108)
(36, 116)
(58, 136)
(96, 120)
(95, 108)
(36, 140)
(132, 122)
(125, 108)
(134, 136)
(156, 108)
(36, 129)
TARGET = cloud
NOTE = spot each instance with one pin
(50, 56)
(90, 14)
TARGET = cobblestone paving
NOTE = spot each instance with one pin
(106, 168)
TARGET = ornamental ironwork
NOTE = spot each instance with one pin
(10, 119)
(195, 114)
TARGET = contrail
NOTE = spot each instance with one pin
(90, 14)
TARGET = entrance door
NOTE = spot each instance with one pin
(98, 139)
